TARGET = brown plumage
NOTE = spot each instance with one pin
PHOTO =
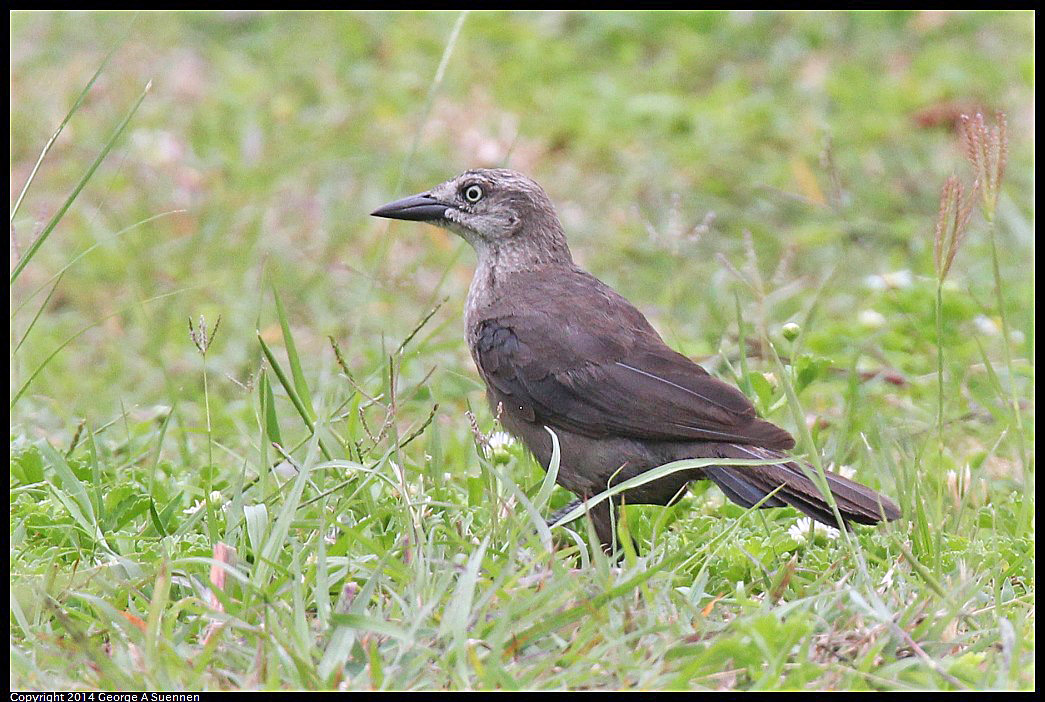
(558, 348)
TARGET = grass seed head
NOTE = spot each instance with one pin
(952, 223)
(987, 148)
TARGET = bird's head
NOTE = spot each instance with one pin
(492, 209)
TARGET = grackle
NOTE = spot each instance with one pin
(559, 348)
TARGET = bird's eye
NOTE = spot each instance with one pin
(473, 193)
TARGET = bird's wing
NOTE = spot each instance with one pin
(563, 373)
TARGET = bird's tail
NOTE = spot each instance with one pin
(746, 485)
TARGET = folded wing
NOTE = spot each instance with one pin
(622, 382)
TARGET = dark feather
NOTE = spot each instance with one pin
(604, 371)
(746, 485)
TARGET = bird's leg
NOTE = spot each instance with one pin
(603, 517)
(600, 517)
(562, 512)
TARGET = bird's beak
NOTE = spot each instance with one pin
(418, 208)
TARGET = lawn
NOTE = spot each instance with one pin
(249, 449)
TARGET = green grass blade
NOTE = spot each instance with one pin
(289, 388)
(433, 90)
(39, 369)
(61, 127)
(61, 272)
(70, 485)
(656, 474)
(277, 535)
(545, 493)
(153, 624)
(459, 610)
(295, 362)
(257, 518)
(35, 246)
(531, 510)
(339, 648)
(36, 316)
(25, 386)
(268, 411)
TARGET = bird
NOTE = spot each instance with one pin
(559, 350)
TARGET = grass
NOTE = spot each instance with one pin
(264, 508)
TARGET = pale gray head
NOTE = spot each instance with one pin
(501, 213)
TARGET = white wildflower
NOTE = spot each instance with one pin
(800, 529)
(872, 319)
(196, 507)
(890, 281)
(497, 446)
(985, 325)
(500, 439)
(214, 497)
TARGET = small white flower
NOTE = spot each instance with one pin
(497, 445)
(846, 471)
(800, 529)
(500, 439)
(985, 325)
(196, 507)
(875, 282)
(215, 497)
(872, 319)
(890, 281)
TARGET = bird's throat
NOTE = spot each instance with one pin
(507, 256)
(498, 262)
